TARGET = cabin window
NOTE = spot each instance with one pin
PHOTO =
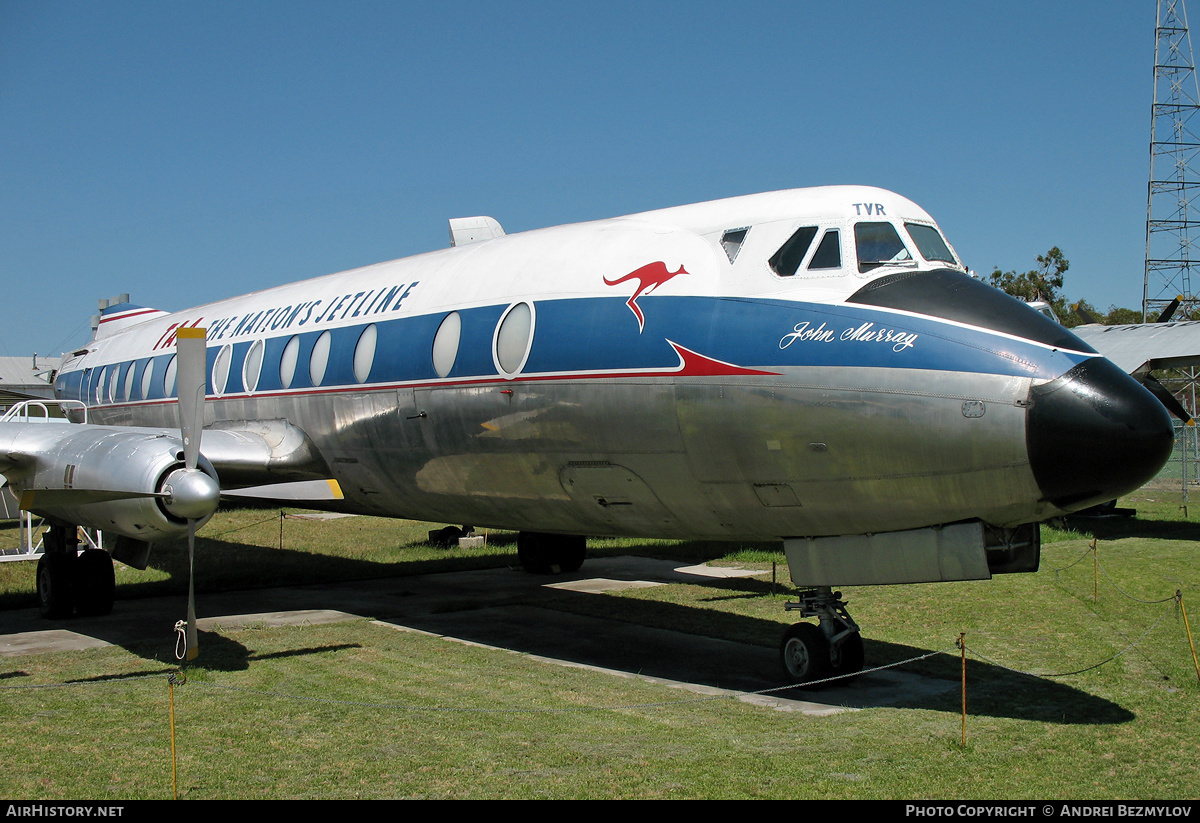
(513, 338)
(930, 243)
(169, 378)
(732, 241)
(252, 367)
(829, 253)
(318, 361)
(128, 393)
(879, 244)
(364, 353)
(787, 260)
(445, 344)
(220, 372)
(287, 362)
(147, 376)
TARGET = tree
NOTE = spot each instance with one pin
(1043, 283)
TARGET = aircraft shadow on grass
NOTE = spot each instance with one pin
(669, 641)
(1117, 527)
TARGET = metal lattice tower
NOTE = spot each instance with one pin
(1172, 227)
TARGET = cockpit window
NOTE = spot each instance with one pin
(829, 254)
(930, 243)
(732, 241)
(879, 244)
(791, 254)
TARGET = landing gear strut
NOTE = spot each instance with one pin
(72, 582)
(833, 648)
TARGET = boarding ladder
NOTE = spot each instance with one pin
(40, 411)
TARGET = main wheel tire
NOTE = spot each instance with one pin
(446, 538)
(804, 654)
(571, 551)
(95, 583)
(550, 553)
(533, 552)
(848, 658)
(55, 585)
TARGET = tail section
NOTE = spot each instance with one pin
(119, 314)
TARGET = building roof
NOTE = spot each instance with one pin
(22, 377)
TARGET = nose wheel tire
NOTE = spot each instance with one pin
(804, 654)
(849, 656)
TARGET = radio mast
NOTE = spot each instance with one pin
(1172, 225)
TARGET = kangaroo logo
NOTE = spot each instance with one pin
(649, 277)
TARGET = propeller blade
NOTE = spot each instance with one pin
(1166, 398)
(295, 490)
(1169, 311)
(190, 385)
(192, 640)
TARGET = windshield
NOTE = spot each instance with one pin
(930, 243)
(879, 244)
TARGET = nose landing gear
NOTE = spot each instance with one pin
(832, 648)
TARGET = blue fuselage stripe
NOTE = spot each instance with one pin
(602, 335)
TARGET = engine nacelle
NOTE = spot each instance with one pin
(120, 481)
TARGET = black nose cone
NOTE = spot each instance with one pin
(1095, 434)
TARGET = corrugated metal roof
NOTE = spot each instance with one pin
(19, 376)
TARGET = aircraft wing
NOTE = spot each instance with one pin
(108, 476)
(262, 452)
(1147, 346)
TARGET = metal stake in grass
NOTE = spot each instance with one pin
(172, 679)
(962, 645)
(1191, 642)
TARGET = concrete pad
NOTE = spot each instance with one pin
(53, 640)
(599, 585)
(769, 701)
(302, 617)
(319, 516)
(704, 570)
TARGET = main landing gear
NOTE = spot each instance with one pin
(550, 553)
(833, 648)
(73, 582)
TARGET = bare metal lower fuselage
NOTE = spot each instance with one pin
(814, 451)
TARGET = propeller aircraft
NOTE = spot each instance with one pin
(813, 366)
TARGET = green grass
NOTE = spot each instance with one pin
(364, 710)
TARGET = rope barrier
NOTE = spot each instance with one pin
(1104, 662)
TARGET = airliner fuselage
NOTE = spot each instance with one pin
(658, 374)
(813, 365)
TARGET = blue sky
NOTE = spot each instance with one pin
(189, 151)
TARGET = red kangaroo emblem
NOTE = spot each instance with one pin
(649, 277)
